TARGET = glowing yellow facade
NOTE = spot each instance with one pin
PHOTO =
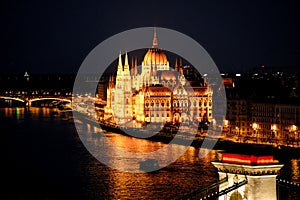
(155, 92)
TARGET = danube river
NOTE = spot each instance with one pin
(43, 158)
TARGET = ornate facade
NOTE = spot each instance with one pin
(156, 92)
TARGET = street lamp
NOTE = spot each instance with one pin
(237, 130)
(225, 126)
(226, 123)
(293, 129)
(273, 129)
(255, 127)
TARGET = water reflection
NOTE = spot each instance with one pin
(19, 113)
(295, 163)
(188, 173)
(60, 144)
(135, 145)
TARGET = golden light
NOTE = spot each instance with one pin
(273, 127)
(247, 159)
(293, 128)
(254, 126)
(226, 122)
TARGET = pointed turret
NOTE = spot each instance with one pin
(126, 65)
(120, 66)
(113, 81)
(180, 67)
(155, 43)
(132, 67)
(176, 65)
(135, 67)
(109, 82)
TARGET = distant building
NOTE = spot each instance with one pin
(238, 111)
(102, 90)
(276, 120)
(265, 109)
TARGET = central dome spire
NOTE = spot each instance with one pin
(156, 56)
(155, 43)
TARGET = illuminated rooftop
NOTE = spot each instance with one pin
(247, 159)
(254, 165)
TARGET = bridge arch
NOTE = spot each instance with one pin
(11, 102)
(50, 98)
(47, 101)
(12, 98)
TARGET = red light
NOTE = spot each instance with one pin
(247, 159)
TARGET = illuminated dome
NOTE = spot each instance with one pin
(155, 56)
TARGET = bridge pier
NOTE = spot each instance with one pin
(259, 171)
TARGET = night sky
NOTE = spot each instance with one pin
(54, 36)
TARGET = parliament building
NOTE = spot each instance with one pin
(155, 92)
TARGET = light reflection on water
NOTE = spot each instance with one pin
(188, 173)
(185, 175)
(139, 147)
(295, 163)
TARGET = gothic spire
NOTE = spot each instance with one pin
(132, 67)
(155, 43)
(126, 65)
(135, 67)
(132, 63)
(180, 67)
(176, 65)
(120, 66)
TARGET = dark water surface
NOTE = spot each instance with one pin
(43, 158)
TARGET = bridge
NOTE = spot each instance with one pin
(40, 101)
(207, 193)
(289, 189)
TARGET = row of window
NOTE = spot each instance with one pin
(157, 115)
(270, 120)
(176, 104)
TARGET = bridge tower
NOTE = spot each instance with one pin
(259, 171)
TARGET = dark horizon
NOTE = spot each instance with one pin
(55, 36)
